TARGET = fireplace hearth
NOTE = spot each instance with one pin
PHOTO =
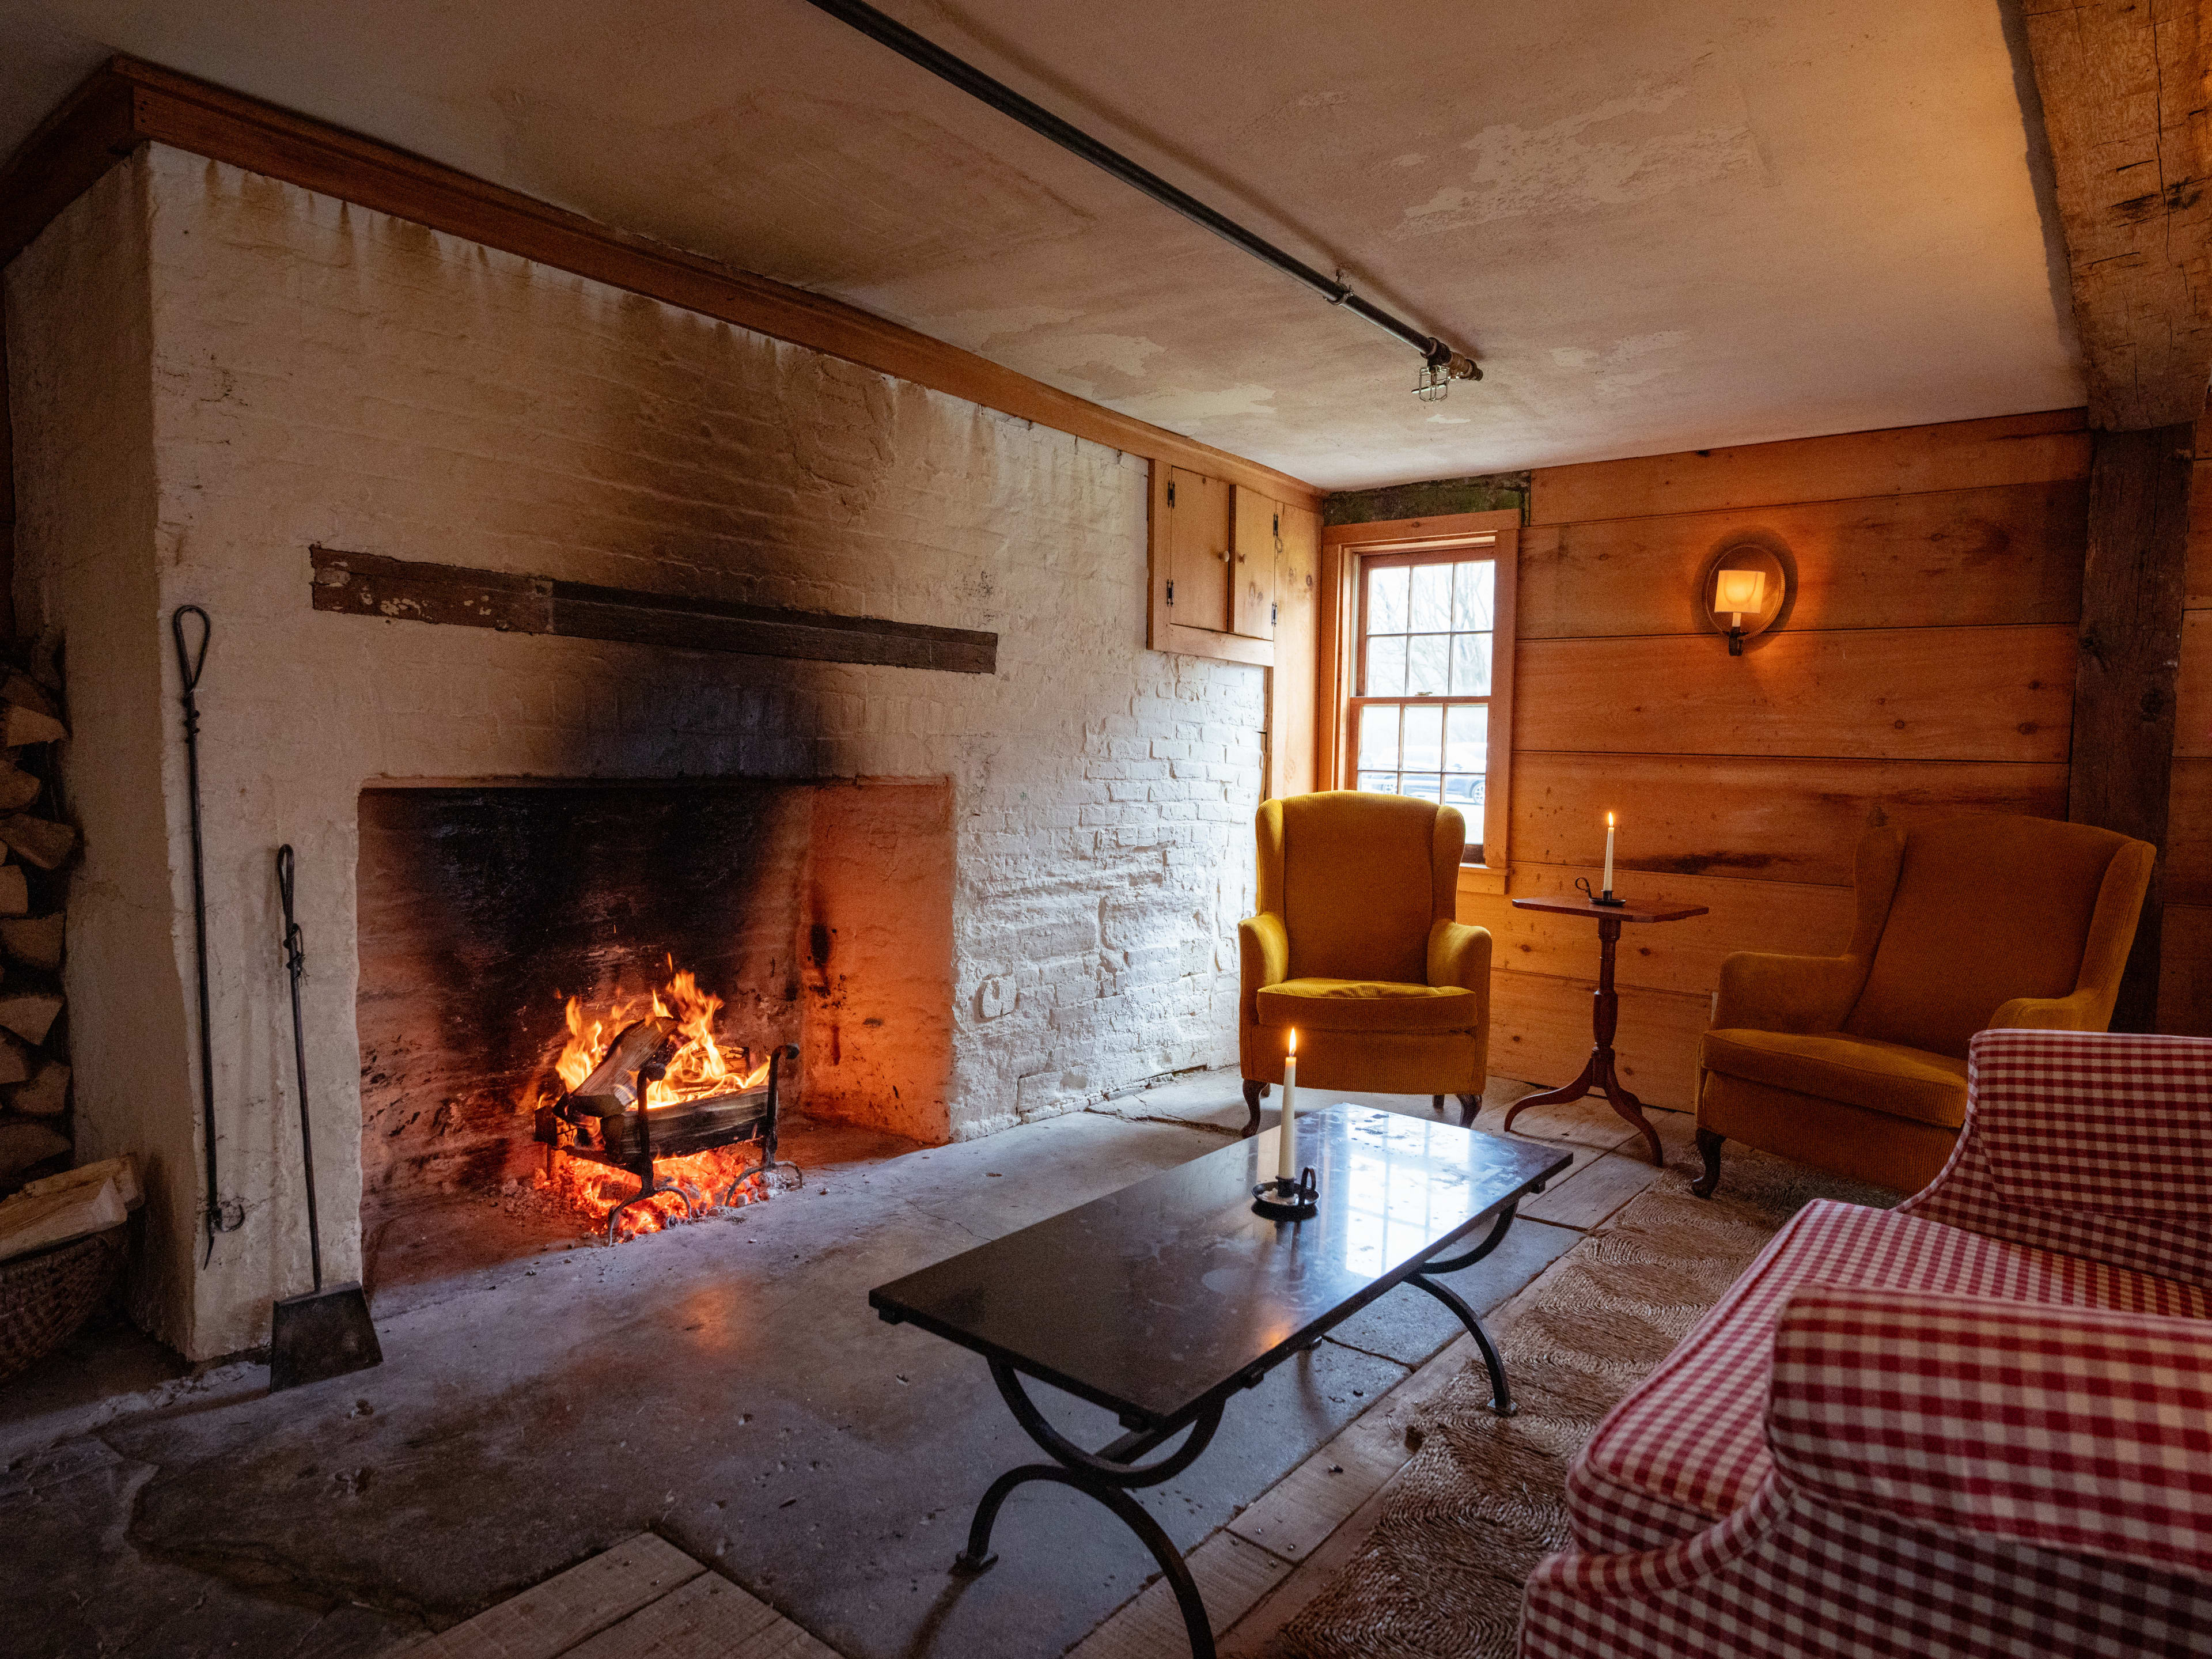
(606, 1002)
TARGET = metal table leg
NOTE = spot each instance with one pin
(1108, 1475)
(1501, 1396)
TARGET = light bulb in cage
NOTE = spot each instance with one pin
(1436, 376)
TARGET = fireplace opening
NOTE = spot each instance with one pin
(595, 1010)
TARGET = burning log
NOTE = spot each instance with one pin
(608, 1087)
(36, 939)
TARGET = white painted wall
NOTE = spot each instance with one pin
(298, 371)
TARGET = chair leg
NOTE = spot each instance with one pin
(1468, 1106)
(1435, 1103)
(1708, 1148)
(1254, 1091)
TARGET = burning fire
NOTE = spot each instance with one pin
(699, 1066)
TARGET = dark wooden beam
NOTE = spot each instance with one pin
(2130, 647)
(405, 590)
(2123, 85)
(128, 103)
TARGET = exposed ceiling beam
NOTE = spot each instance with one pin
(2124, 85)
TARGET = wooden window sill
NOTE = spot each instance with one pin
(1480, 878)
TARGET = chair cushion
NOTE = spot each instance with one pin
(1368, 1004)
(1687, 1445)
(1882, 1076)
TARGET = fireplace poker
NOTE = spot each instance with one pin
(221, 1217)
(322, 1333)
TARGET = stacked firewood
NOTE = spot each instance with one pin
(35, 1132)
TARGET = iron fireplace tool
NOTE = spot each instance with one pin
(221, 1217)
(324, 1333)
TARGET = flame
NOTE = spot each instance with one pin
(1294, 1042)
(701, 1066)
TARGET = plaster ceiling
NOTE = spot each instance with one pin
(1659, 226)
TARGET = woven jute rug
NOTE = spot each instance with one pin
(1483, 1499)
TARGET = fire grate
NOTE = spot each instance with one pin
(605, 1120)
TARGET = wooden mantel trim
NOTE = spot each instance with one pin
(128, 103)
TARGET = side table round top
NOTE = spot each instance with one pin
(1562, 905)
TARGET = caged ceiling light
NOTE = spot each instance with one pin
(1441, 362)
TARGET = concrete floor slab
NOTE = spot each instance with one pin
(723, 1384)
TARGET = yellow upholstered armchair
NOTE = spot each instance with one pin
(1357, 947)
(1856, 1064)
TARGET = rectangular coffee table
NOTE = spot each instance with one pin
(1163, 1300)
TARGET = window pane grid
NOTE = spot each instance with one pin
(1426, 654)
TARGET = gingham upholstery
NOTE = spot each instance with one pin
(2077, 1429)
(1972, 1445)
(2090, 1143)
(1683, 1447)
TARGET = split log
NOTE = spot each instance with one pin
(16, 1060)
(37, 841)
(616, 1074)
(47, 1095)
(123, 1172)
(25, 692)
(24, 1143)
(30, 1014)
(20, 725)
(18, 789)
(14, 891)
(34, 940)
(38, 1221)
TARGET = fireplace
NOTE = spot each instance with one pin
(568, 988)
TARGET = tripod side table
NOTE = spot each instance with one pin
(1598, 1074)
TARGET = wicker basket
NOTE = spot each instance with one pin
(45, 1296)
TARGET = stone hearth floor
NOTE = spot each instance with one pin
(723, 1386)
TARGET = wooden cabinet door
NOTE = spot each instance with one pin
(1293, 700)
(1199, 549)
(1258, 533)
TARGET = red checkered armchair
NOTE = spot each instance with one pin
(1979, 1424)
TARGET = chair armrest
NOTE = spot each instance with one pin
(1263, 959)
(2090, 1143)
(2084, 1010)
(1459, 955)
(2080, 1429)
(1763, 992)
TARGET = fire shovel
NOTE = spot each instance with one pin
(324, 1333)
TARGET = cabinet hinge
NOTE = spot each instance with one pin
(1278, 525)
(1170, 492)
(1171, 585)
(1274, 613)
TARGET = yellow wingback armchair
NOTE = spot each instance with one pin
(1856, 1064)
(1358, 946)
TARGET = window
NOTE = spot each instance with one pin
(1421, 708)
(1424, 668)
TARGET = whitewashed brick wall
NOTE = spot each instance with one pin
(323, 374)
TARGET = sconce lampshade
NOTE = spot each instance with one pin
(1736, 592)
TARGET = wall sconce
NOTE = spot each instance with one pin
(1743, 592)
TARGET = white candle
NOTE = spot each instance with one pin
(1286, 1146)
(1608, 886)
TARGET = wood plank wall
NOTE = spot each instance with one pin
(1925, 667)
(2185, 985)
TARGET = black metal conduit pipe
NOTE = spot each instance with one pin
(1003, 98)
